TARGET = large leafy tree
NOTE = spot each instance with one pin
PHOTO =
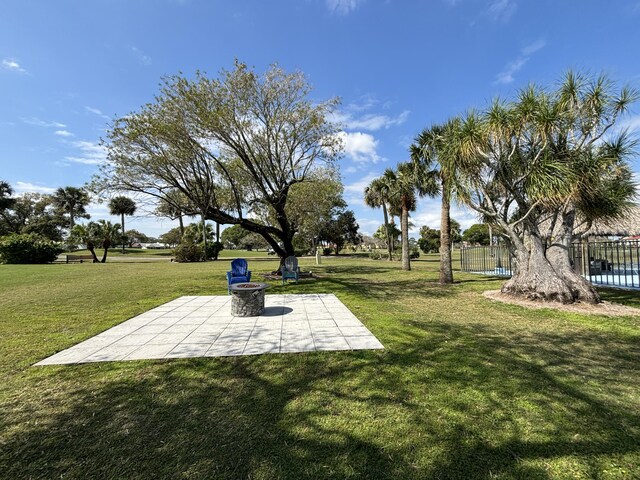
(539, 166)
(477, 233)
(231, 145)
(33, 213)
(122, 206)
(71, 201)
(406, 183)
(341, 229)
(376, 195)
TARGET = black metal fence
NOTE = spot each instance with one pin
(613, 263)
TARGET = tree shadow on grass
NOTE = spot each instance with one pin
(443, 401)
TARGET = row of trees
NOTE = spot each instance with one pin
(53, 217)
(539, 169)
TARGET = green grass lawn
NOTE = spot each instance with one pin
(464, 389)
(164, 252)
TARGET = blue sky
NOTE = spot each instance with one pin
(67, 67)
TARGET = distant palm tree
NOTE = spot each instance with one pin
(85, 235)
(406, 183)
(122, 206)
(72, 201)
(106, 233)
(376, 196)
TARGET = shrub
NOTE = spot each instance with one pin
(414, 252)
(378, 254)
(188, 252)
(213, 249)
(28, 248)
(327, 251)
(300, 252)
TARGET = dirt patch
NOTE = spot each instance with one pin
(605, 308)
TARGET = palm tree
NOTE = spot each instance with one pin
(106, 233)
(122, 206)
(85, 235)
(430, 150)
(375, 196)
(72, 201)
(407, 182)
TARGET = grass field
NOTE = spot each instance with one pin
(464, 389)
(164, 252)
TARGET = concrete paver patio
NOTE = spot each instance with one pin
(204, 327)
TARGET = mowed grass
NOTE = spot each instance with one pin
(464, 389)
(164, 252)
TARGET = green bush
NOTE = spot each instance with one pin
(327, 251)
(28, 248)
(188, 252)
(378, 254)
(213, 249)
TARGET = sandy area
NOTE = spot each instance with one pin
(605, 308)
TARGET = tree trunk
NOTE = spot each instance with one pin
(536, 278)
(181, 224)
(446, 269)
(204, 239)
(404, 225)
(123, 230)
(386, 230)
(91, 249)
(215, 257)
(106, 246)
(558, 255)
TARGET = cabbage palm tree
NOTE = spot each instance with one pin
(106, 233)
(406, 183)
(430, 150)
(122, 206)
(376, 196)
(85, 235)
(72, 201)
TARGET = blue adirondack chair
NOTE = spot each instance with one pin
(239, 272)
(290, 269)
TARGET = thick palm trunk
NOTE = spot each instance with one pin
(404, 226)
(386, 229)
(446, 270)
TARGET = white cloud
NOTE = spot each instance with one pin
(342, 7)
(143, 59)
(42, 123)
(350, 170)
(372, 122)
(63, 133)
(360, 147)
(502, 10)
(27, 187)
(354, 192)
(12, 65)
(631, 124)
(507, 74)
(369, 226)
(96, 111)
(90, 153)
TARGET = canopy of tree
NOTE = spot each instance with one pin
(233, 146)
(533, 165)
(478, 233)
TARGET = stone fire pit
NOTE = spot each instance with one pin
(247, 299)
